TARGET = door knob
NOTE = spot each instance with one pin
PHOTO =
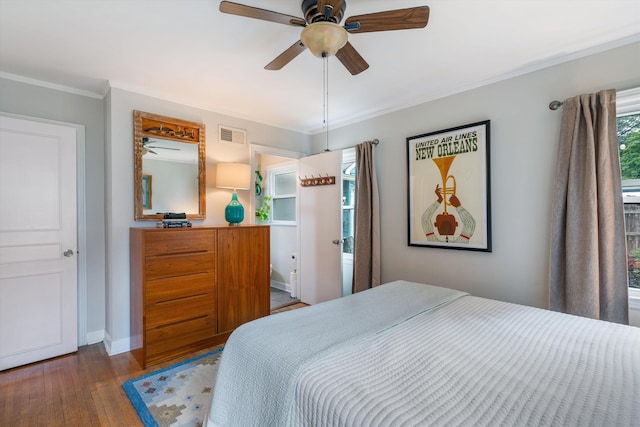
(337, 241)
(68, 252)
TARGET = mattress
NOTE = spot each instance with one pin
(407, 354)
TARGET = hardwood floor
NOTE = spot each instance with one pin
(289, 307)
(79, 389)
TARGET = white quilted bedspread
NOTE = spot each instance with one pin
(463, 361)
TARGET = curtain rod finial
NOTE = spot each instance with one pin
(554, 105)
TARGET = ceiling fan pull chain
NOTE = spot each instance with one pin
(324, 90)
(325, 84)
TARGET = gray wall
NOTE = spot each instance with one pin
(120, 105)
(40, 102)
(524, 134)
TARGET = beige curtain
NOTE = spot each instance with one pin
(588, 271)
(366, 252)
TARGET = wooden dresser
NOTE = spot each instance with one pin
(191, 287)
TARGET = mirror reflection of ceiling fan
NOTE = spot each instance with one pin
(322, 34)
(147, 148)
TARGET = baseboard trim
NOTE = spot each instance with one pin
(94, 337)
(281, 286)
(116, 347)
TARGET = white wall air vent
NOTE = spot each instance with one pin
(229, 134)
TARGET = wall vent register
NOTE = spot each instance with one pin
(232, 135)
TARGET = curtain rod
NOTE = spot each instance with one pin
(554, 105)
(374, 141)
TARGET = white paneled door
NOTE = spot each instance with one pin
(38, 262)
(320, 227)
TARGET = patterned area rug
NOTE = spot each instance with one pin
(176, 396)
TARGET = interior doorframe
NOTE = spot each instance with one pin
(81, 218)
(257, 150)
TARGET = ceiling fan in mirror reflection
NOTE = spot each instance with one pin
(147, 147)
(171, 151)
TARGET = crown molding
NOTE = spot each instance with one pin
(49, 85)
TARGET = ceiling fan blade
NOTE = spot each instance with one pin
(162, 148)
(287, 56)
(399, 19)
(351, 59)
(257, 13)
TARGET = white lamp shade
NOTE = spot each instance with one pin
(236, 176)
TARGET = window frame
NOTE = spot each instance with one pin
(348, 210)
(628, 103)
(271, 191)
(348, 165)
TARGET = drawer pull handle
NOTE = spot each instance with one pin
(182, 298)
(203, 316)
(180, 252)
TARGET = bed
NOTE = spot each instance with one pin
(405, 354)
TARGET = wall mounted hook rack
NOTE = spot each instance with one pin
(319, 180)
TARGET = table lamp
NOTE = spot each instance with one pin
(236, 176)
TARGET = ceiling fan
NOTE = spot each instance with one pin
(322, 34)
(146, 148)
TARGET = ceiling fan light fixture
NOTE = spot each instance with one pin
(324, 38)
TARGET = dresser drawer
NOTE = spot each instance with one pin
(174, 337)
(165, 242)
(161, 290)
(179, 310)
(190, 287)
(158, 267)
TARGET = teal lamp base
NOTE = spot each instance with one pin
(234, 212)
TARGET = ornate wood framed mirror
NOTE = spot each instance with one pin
(169, 167)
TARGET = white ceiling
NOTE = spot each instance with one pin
(189, 52)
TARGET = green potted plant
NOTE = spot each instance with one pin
(263, 211)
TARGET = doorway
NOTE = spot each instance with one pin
(311, 240)
(275, 204)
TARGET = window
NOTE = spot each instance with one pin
(348, 205)
(282, 185)
(628, 123)
(631, 198)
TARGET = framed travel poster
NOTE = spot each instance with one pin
(448, 188)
